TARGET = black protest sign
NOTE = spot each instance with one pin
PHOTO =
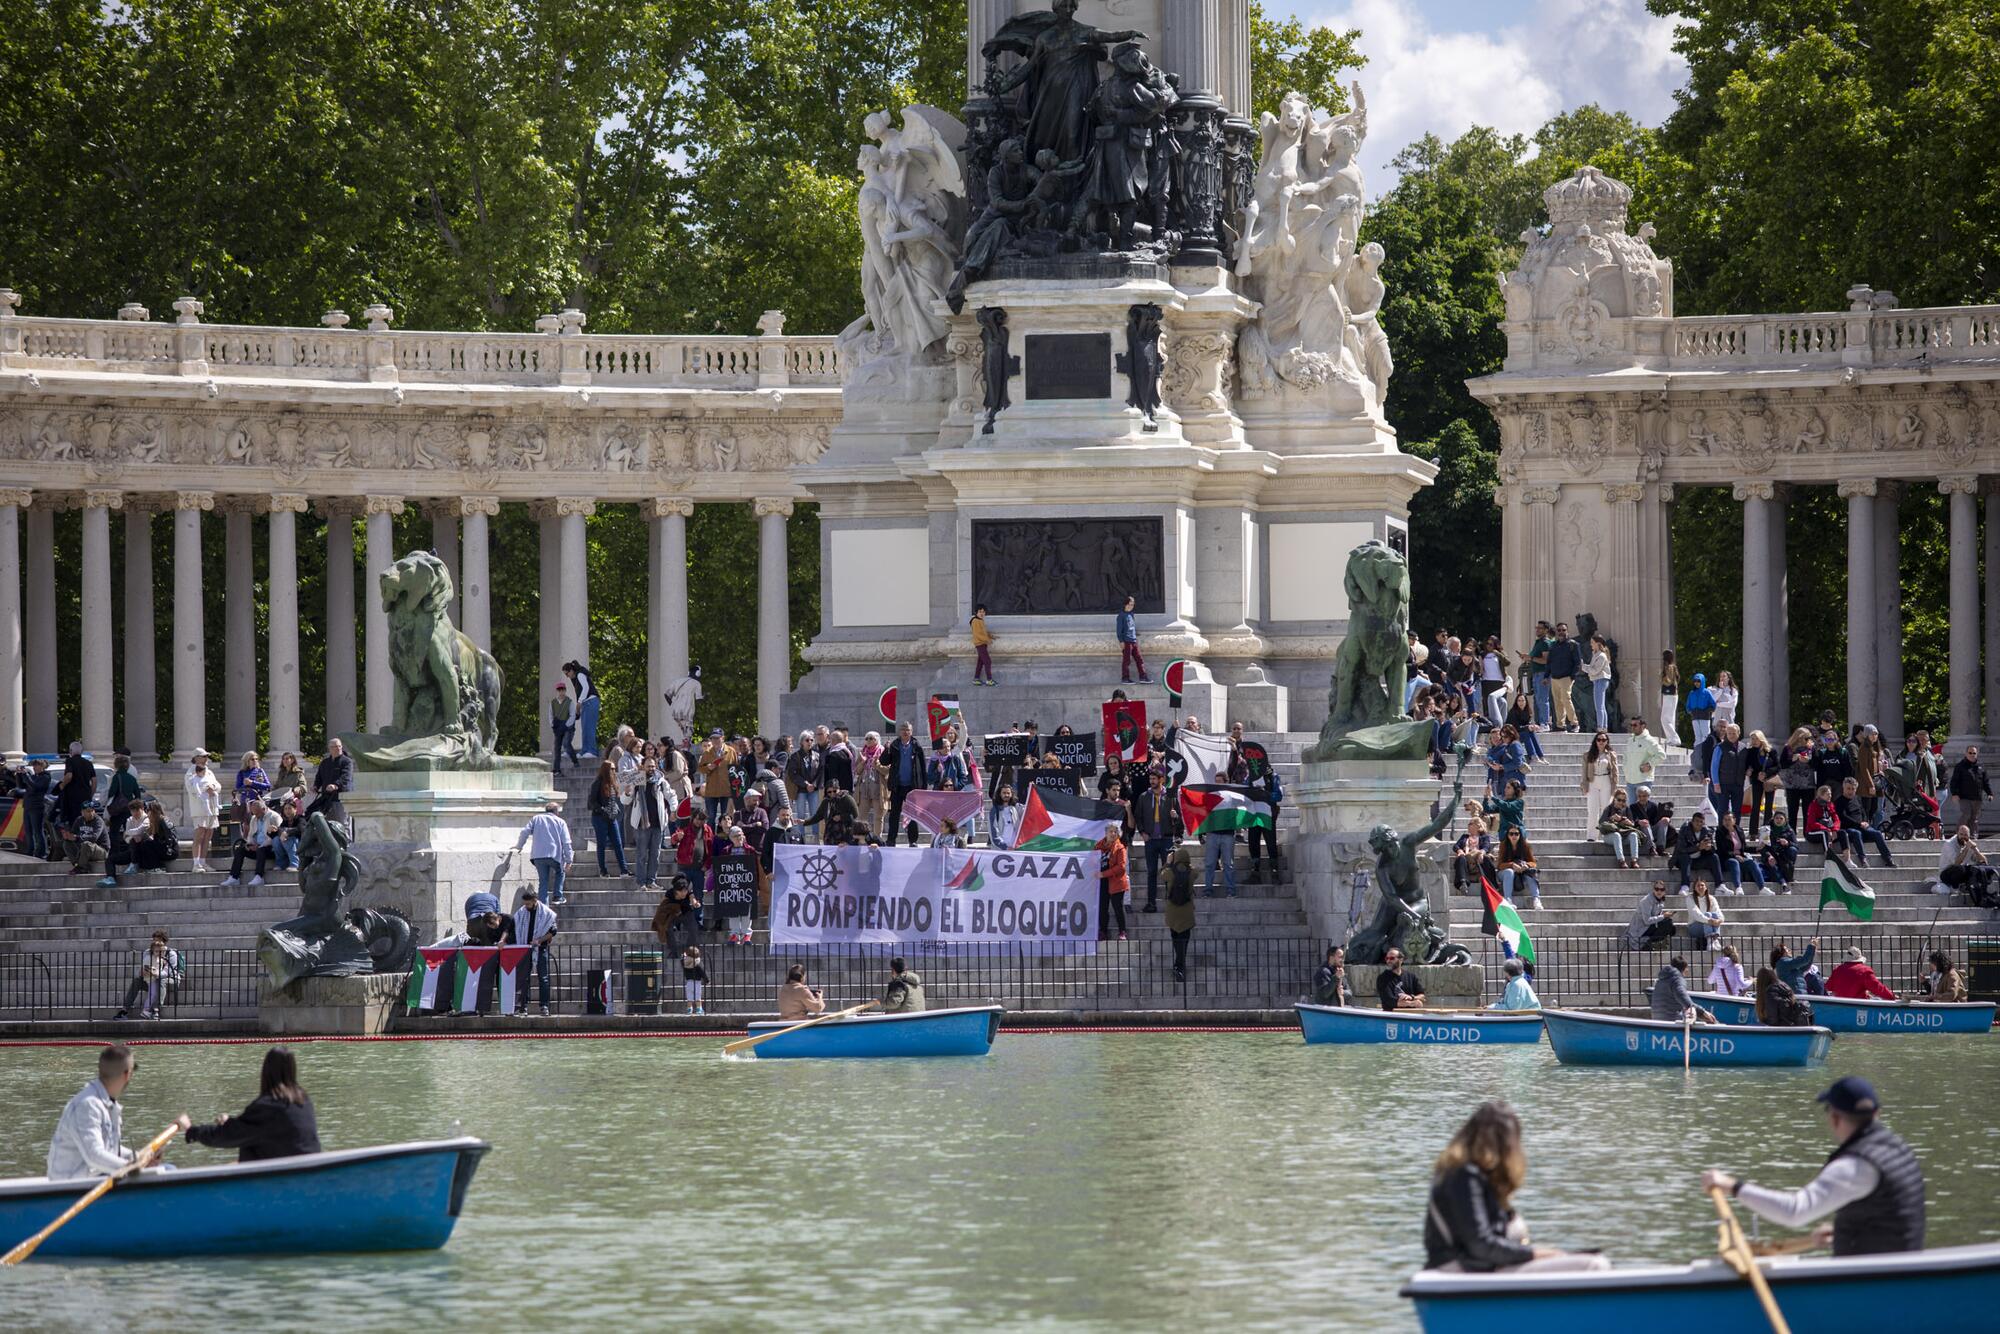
(1078, 753)
(736, 885)
(1256, 757)
(1056, 780)
(1009, 750)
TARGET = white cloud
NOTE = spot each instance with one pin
(1436, 77)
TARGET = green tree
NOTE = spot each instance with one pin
(1288, 56)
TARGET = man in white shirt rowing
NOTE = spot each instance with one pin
(89, 1139)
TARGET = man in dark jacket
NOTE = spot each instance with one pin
(1565, 661)
(1725, 770)
(838, 813)
(905, 762)
(1656, 819)
(1854, 823)
(1872, 1183)
(1330, 982)
(1157, 816)
(334, 776)
(1696, 847)
(78, 785)
(1396, 989)
(1969, 785)
(35, 792)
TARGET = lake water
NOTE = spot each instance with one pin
(1128, 1181)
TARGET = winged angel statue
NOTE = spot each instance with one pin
(1320, 292)
(912, 208)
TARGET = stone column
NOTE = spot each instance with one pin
(40, 634)
(342, 695)
(1963, 497)
(1191, 45)
(283, 628)
(983, 18)
(239, 618)
(1862, 622)
(1778, 718)
(573, 608)
(1626, 620)
(13, 743)
(190, 654)
(477, 589)
(774, 621)
(548, 606)
(1992, 592)
(1541, 553)
(1888, 717)
(378, 684)
(97, 668)
(142, 732)
(667, 658)
(444, 540)
(1759, 630)
(1515, 619)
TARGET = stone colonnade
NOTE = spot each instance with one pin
(461, 535)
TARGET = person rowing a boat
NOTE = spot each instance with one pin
(1670, 999)
(1471, 1226)
(1872, 1183)
(278, 1123)
(89, 1140)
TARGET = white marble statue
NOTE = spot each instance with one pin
(1317, 331)
(912, 211)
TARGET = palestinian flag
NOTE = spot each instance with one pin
(472, 961)
(1841, 884)
(969, 878)
(513, 959)
(423, 992)
(940, 710)
(1058, 822)
(1217, 808)
(1502, 921)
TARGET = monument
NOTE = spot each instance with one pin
(1118, 341)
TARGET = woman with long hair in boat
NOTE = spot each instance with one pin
(1471, 1226)
(278, 1123)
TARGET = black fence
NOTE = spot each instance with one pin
(1599, 970)
(94, 984)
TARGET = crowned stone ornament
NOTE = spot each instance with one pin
(1577, 284)
(1364, 715)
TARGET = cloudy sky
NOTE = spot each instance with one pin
(1440, 66)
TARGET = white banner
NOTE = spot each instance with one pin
(934, 899)
(1207, 756)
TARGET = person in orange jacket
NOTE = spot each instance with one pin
(1113, 881)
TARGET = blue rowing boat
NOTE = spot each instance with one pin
(1347, 1024)
(1867, 1016)
(398, 1197)
(1953, 1287)
(1581, 1037)
(963, 1032)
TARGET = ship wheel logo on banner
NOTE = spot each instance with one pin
(819, 872)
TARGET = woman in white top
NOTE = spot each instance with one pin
(1598, 672)
(1600, 773)
(201, 798)
(624, 757)
(1704, 915)
(1726, 697)
(1726, 975)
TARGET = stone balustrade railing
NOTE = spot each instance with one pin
(562, 354)
(1839, 338)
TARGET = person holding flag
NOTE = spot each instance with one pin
(1213, 812)
(535, 927)
(1503, 922)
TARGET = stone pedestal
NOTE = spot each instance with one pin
(427, 839)
(1338, 804)
(320, 1006)
(1446, 986)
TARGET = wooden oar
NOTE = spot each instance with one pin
(745, 1044)
(1789, 1246)
(1736, 1252)
(27, 1248)
(1687, 1042)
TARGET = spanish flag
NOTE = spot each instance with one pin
(15, 826)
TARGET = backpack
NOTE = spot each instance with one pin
(1180, 886)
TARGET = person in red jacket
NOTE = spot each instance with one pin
(1823, 821)
(1855, 980)
(1114, 879)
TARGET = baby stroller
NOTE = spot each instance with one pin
(1912, 813)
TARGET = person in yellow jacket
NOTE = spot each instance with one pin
(982, 643)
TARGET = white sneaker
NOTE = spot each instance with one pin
(228, 881)
(1534, 905)
(200, 865)
(1768, 892)
(256, 880)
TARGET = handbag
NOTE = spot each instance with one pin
(1799, 775)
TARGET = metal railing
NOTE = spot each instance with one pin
(93, 984)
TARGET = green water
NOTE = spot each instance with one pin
(1113, 1181)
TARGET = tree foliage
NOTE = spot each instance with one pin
(1288, 56)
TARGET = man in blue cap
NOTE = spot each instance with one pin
(1871, 1184)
